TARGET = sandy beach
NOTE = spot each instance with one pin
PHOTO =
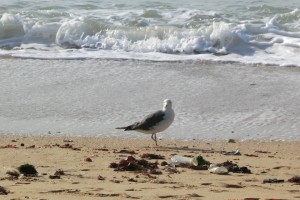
(82, 169)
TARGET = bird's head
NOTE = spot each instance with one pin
(167, 104)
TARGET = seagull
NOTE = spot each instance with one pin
(155, 122)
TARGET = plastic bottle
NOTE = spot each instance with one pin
(213, 168)
(177, 160)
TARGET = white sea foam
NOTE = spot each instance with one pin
(153, 34)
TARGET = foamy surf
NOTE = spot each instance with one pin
(265, 35)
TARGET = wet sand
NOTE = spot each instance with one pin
(212, 101)
(85, 163)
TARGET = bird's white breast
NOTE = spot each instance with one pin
(168, 120)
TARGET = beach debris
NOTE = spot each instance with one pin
(171, 170)
(102, 149)
(88, 159)
(132, 180)
(194, 195)
(182, 161)
(3, 191)
(196, 163)
(295, 179)
(152, 156)
(167, 196)
(12, 172)
(234, 153)
(215, 169)
(59, 172)
(66, 140)
(164, 163)
(231, 140)
(116, 181)
(232, 167)
(31, 147)
(126, 151)
(66, 145)
(63, 190)
(202, 164)
(22, 144)
(101, 178)
(251, 155)
(227, 185)
(280, 167)
(259, 151)
(133, 164)
(54, 176)
(27, 170)
(273, 180)
(9, 146)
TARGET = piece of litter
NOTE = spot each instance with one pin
(273, 180)
(215, 169)
(235, 153)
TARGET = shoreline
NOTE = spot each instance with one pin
(93, 179)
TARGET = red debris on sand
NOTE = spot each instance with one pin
(133, 164)
(126, 151)
(152, 156)
(295, 179)
(9, 146)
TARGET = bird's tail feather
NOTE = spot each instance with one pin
(121, 127)
(126, 128)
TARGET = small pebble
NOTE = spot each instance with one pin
(231, 141)
(88, 159)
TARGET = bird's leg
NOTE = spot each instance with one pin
(153, 137)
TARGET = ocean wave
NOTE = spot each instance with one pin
(180, 33)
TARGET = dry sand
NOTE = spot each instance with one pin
(95, 179)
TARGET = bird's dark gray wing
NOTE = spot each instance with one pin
(149, 121)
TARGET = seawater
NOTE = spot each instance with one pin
(256, 31)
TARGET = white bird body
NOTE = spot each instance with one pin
(155, 122)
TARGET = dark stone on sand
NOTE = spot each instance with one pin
(88, 159)
(54, 177)
(231, 141)
(59, 172)
(3, 191)
(132, 180)
(164, 163)
(232, 167)
(273, 180)
(226, 185)
(295, 179)
(101, 178)
(27, 170)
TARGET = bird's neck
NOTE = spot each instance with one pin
(166, 108)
